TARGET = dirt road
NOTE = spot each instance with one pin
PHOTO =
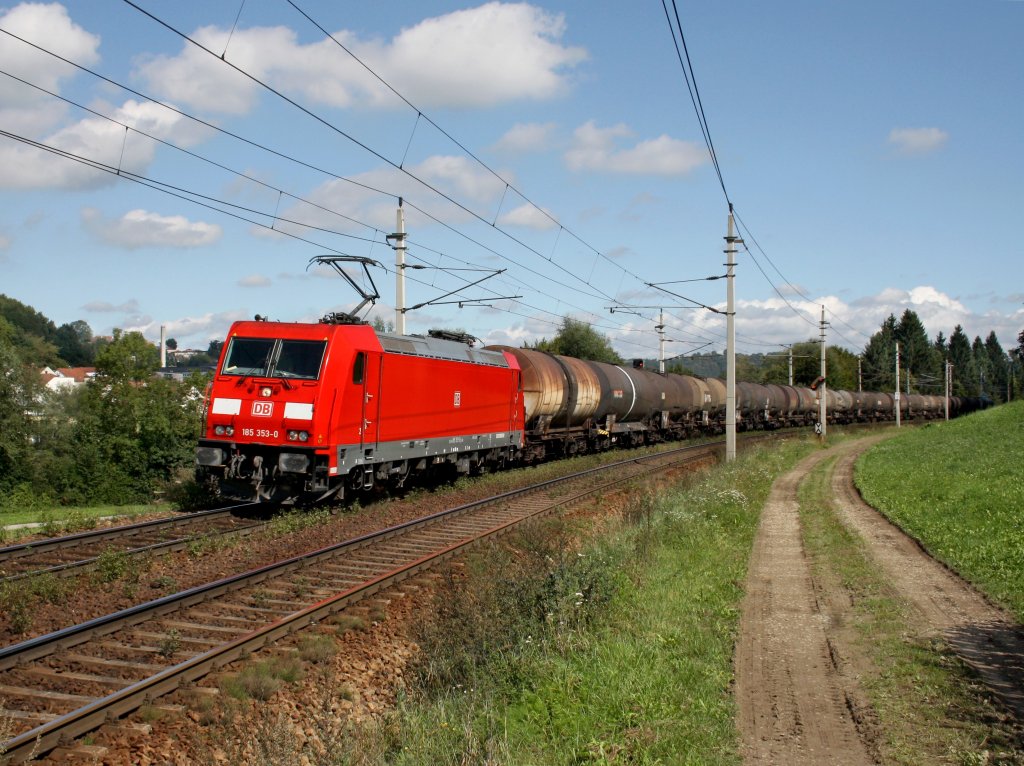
(798, 694)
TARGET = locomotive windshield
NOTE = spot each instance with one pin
(274, 358)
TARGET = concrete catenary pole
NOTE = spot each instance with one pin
(400, 270)
(791, 366)
(730, 341)
(897, 398)
(860, 374)
(823, 388)
(163, 346)
(661, 341)
(947, 389)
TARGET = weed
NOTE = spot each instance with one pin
(346, 622)
(259, 598)
(297, 520)
(199, 546)
(317, 649)
(20, 615)
(7, 727)
(169, 644)
(164, 583)
(262, 680)
(49, 587)
(77, 521)
(50, 527)
(113, 564)
(300, 586)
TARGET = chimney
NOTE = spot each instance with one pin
(163, 346)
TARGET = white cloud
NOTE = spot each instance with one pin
(491, 54)
(526, 137)
(98, 140)
(917, 140)
(141, 228)
(105, 307)
(254, 280)
(460, 177)
(26, 110)
(594, 149)
(529, 216)
(190, 332)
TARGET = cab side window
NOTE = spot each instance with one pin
(358, 368)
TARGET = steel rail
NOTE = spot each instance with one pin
(16, 554)
(80, 566)
(94, 713)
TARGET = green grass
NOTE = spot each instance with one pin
(958, 487)
(928, 707)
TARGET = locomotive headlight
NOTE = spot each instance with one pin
(303, 436)
(265, 391)
(230, 431)
(219, 430)
(293, 436)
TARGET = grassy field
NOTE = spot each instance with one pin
(958, 487)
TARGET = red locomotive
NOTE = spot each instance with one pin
(300, 411)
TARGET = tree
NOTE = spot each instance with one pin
(918, 357)
(998, 365)
(841, 368)
(380, 325)
(982, 367)
(19, 389)
(129, 357)
(213, 350)
(74, 343)
(172, 344)
(965, 378)
(579, 339)
(880, 358)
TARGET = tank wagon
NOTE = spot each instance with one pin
(302, 412)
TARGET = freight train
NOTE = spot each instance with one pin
(299, 413)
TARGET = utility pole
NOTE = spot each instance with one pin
(791, 366)
(947, 389)
(730, 341)
(823, 388)
(897, 397)
(661, 341)
(860, 374)
(399, 237)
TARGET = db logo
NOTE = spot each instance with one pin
(262, 409)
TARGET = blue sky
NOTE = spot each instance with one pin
(872, 150)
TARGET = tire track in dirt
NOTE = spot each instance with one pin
(794, 703)
(985, 637)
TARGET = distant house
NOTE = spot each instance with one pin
(65, 378)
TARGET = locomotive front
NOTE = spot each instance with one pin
(264, 436)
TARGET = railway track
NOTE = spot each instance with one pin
(77, 553)
(62, 685)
